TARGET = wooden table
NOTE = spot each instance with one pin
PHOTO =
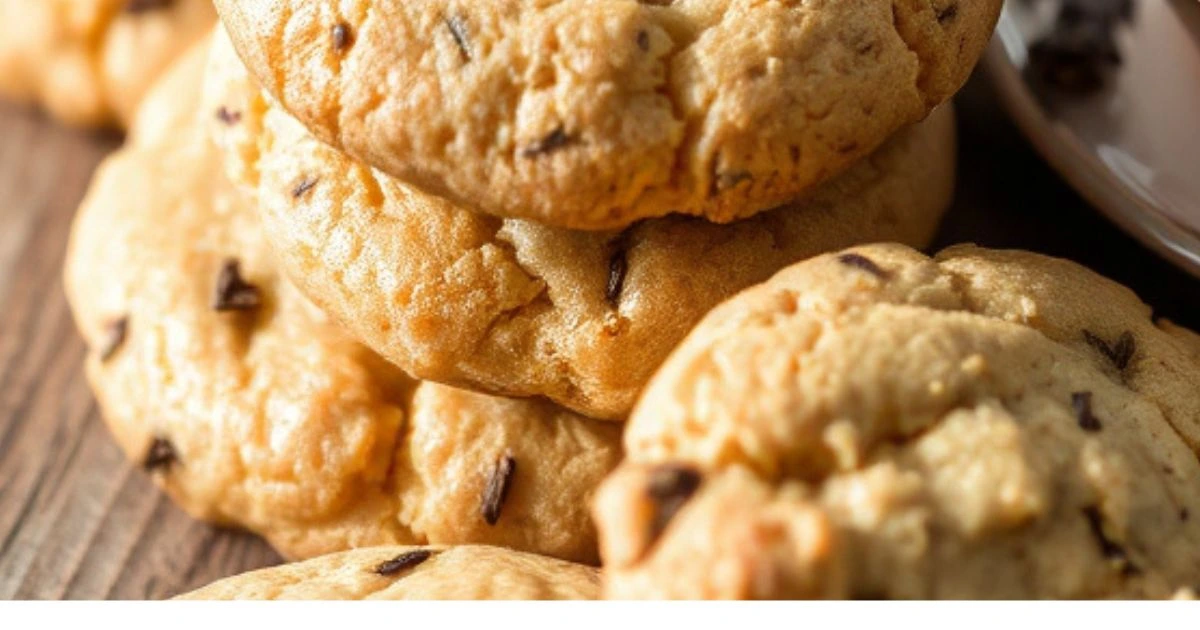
(77, 521)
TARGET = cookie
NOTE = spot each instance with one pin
(249, 408)
(518, 308)
(89, 62)
(591, 114)
(878, 424)
(424, 573)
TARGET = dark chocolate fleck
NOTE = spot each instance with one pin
(858, 261)
(160, 455)
(1184, 514)
(342, 36)
(554, 141)
(114, 337)
(1081, 402)
(728, 181)
(1110, 549)
(618, 267)
(406, 560)
(1123, 351)
(142, 6)
(947, 14)
(305, 185)
(496, 491)
(462, 38)
(643, 40)
(1119, 353)
(846, 147)
(233, 293)
(228, 116)
(669, 488)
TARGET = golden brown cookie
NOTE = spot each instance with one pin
(428, 573)
(249, 408)
(90, 61)
(595, 114)
(518, 308)
(878, 424)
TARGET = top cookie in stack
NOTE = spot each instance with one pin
(594, 114)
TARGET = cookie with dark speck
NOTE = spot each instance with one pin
(947, 434)
(423, 573)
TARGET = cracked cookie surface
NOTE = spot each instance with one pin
(423, 573)
(594, 114)
(879, 424)
(251, 409)
(89, 62)
(518, 308)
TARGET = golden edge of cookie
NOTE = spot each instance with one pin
(422, 573)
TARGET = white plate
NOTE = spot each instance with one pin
(1132, 148)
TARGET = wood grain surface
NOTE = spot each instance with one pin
(77, 521)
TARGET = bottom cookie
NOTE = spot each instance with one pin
(426, 573)
(249, 408)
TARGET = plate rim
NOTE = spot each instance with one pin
(1082, 169)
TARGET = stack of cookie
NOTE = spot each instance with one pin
(502, 206)
(390, 276)
(251, 408)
